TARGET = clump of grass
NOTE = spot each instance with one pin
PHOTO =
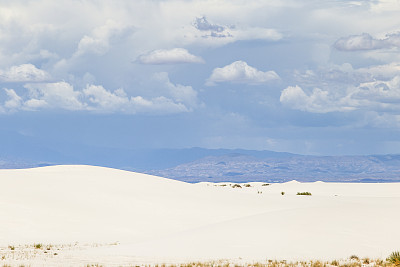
(366, 260)
(38, 246)
(265, 184)
(247, 185)
(282, 193)
(236, 186)
(394, 258)
(304, 194)
(11, 247)
(354, 257)
(335, 263)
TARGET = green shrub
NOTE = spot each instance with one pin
(394, 258)
(303, 193)
(247, 185)
(282, 193)
(37, 246)
(237, 185)
(265, 184)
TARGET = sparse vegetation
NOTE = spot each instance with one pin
(11, 247)
(394, 258)
(38, 246)
(236, 186)
(282, 193)
(265, 184)
(335, 263)
(354, 257)
(247, 185)
(304, 194)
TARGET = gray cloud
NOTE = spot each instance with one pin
(213, 30)
(202, 24)
(366, 42)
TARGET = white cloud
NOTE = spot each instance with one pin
(99, 41)
(105, 100)
(172, 56)
(95, 98)
(14, 101)
(102, 100)
(382, 96)
(240, 72)
(183, 94)
(366, 42)
(24, 73)
(54, 95)
(318, 101)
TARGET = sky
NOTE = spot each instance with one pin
(309, 77)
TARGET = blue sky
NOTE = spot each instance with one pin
(309, 77)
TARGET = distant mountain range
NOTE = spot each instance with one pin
(216, 165)
(244, 168)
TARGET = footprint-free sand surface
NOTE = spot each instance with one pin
(87, 215)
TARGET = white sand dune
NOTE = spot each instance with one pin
(154, 219)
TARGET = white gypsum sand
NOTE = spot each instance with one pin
(87, 214)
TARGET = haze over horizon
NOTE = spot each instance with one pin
(306, 77)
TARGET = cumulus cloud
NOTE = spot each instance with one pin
(365, 41)
(24, 73)
(176, 98)
(101, 99)
(172, 56)
(383, 96)
(318, 101)
(54, 95)
(240, 72)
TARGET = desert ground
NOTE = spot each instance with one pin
(83, 215)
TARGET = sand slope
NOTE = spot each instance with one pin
(150, 218)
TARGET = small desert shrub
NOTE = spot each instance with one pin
(11, 247)
(38, 246)
(247, 185)
(303, 193)
(394, 258)
(237, 185)
(282, 193)
(354, 257)
(335, 263)
(265, 184)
